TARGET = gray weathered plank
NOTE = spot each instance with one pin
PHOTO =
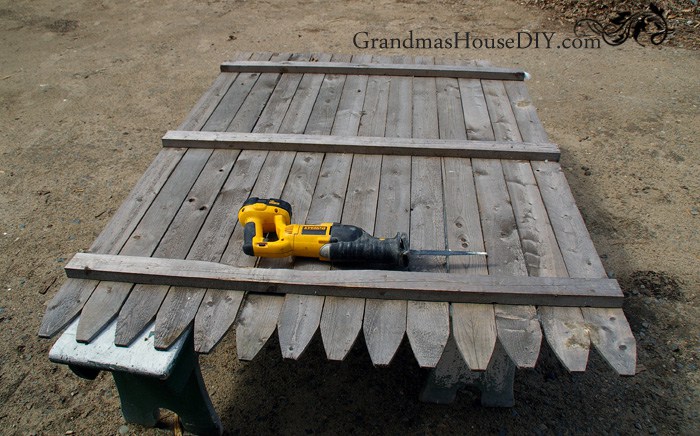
(428, 329)
(427, 324)
(256, 323)
(303, 102)
(611, 334)
(247, 116)
(341, 319)
(518, 328)
(110, 297)
(322, 115)
(363, 145)
(422, 70)
(73, 295)
(463, 226)
(519, 332)
(385, 284)
(213, 317)
(572, 236)
(474, 330)
(107, 298)
(387, 99)
(564, 327)
(540, 249)
(140, 307)
(231, 102)
(281, 100)
(300, 315)
(218, 311)
(172, 319)
(567, 335)
(497, 220)
(473, 325)
(208, 102)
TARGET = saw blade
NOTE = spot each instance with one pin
(445, 253)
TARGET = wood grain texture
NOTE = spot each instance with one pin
(256, 323)
(563, 326)
(385, 284)
(540, 248)
(611, 334)
(341, 319)
(215, 316)
(298, 322)
(539, 244)
(362, 145)
(301, 314)
(71, 297)
(320, 121)
(374, 69)
(577, 249)
(101, 308)
(473, 325)
(231, 102)
(178, 313)
(428, 329)
(567, 335)
(497, 221)
(107, 299)
(303, 101)
(519, 332)
(384, 325)
(216, 312)
(278, 105)
(474, 330)
(570, 230)
(463, 226)
(175, 315)
(427, 324)
(256, 100)
(514, 324)
(65, 306)
(175, 310)
(252, 115)
(141, 307)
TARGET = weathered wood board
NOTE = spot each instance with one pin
(451, 152)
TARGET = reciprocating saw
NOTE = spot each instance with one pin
(268, 232)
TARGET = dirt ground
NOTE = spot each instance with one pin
(88, 88)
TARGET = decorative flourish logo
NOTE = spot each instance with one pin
(626, 25)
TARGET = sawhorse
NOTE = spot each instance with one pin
(147, 379)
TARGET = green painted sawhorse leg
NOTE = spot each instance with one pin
(452, 373)
(147, 379)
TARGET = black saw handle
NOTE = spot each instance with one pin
(351, 244)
